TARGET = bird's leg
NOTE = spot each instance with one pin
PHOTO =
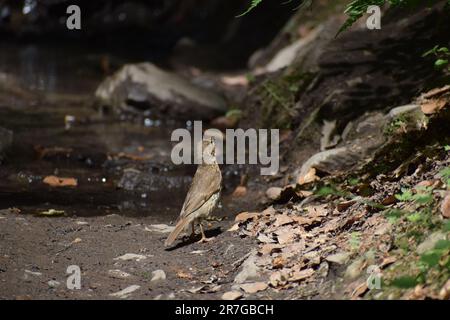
(204, 238)
(193, 230)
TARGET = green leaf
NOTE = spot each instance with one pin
(431, 259)
(393, 215)
(423, 198)
(404, 282)
(415, 217)
(442, 245)
(446, 226)
(406, 195)
(252, 6)
(445, 173)
(432, 51)
(440, 63)
(443, 50)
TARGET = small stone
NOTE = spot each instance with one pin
(158, 275)
(131, 256)
(273, 193)
(125, 293)
(53, 283)
(36, 274)
(118, 274)
(77, 240)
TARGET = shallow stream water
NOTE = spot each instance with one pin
(39, 87)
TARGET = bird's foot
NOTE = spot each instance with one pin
(205, 240)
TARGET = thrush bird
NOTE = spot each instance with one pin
(202, 196)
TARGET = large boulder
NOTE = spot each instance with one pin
(145, 87)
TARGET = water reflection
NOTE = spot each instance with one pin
(51, 69)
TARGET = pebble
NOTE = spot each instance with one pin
(53, 283)
(118, 274)
(131, 256)
(158, 275)
(125, 293)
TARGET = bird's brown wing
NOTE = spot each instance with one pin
(206, 182)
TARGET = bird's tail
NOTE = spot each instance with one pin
(174, 234)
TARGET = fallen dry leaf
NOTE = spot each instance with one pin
(286, 237)
(278, 278)
(244, 216)
(278, 262)
(54, 181)
(240, 191)
(302, 220)
(301, 275)
(445, 206)
(184, 275)
(231, 295)
(387, 261)
(265, 238)
(433, 105)
(359, 290)
(389, 200)
(268, 211)
(310, 176)
(317, 211)
(251, 288)
(282, 220)
(269, 248)
(345, 205)
(234, 227)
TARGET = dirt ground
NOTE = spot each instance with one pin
(36, 252)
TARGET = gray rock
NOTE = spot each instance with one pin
(144, 86)
(249, 271)
(289, 54)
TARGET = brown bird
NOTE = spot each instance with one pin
(202, 196)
